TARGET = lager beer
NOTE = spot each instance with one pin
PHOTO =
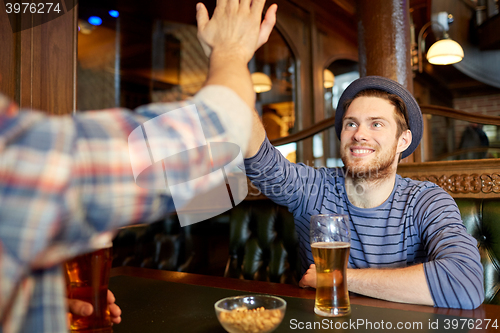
(87, 279)
(332, 295)
(330, 239)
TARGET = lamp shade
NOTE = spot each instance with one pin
(445, 52)
(328, 79)
(261, 82)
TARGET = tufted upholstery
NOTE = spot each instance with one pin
(263, 242)
(482, 219)
(160, 245)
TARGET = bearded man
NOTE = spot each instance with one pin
(408, 243)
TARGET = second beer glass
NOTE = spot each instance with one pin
(330, 243)
(87, 279)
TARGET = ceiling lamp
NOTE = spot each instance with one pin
(261, 82)
(328, 79)
(443, 52)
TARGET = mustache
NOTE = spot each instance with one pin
(361, 145)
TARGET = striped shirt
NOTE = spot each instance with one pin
(65, 181)
(418, 223)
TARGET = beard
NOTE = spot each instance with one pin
(378, 169)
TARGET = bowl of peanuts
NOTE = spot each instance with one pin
(250, 313)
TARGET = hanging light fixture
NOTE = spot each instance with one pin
(328, 79)
(261, 82)
(443, 52)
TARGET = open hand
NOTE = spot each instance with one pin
(235, 27)
(82, 308)
(309, 278)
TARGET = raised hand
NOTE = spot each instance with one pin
(235, 27)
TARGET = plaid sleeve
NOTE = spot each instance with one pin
(65, 180)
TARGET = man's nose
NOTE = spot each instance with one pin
(361, 134)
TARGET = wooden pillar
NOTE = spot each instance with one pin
(38, 62)
(384, 39)
(384, 43)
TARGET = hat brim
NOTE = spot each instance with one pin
(415, 120)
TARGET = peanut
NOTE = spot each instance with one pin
(251, 321)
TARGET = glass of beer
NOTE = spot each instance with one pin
(87, 278)
(330, 244)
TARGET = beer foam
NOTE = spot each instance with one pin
(330, 245)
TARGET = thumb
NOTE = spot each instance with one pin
(201, 16)
(267, 25)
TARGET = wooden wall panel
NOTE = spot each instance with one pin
(38, 64)
(8, 41)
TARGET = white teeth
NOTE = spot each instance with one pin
(361, 151)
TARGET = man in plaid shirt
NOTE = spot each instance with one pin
(67, 182)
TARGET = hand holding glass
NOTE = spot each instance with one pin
(330, 244)
(87, 279)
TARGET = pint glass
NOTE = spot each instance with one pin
(87, 278)
(330, 244)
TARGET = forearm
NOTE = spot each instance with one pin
(227, 70)
(403, 285)
(230, 70)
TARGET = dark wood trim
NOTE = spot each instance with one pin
(306, 133)
(426, 109)
(460, 115)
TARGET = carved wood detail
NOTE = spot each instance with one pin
(465, 183)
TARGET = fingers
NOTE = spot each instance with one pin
(267, 25)
(111, 297)
(245, 3)
(305, 281)
(309, 278)
(114, 310)
(232, 6)
(115, 313)
(201, 16)
(221, 5)
(80, 308)
(257, 7)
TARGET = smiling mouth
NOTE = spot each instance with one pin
(361, 151)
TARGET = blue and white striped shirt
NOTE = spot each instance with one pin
(418, 223)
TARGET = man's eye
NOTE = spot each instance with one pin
(350, 125)
(377, 124)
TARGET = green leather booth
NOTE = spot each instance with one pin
(482, 219)
(262, 243)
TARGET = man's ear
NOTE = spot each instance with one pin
(404, 141)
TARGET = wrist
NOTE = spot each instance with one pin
(228, 56)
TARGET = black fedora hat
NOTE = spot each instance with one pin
(415, 120)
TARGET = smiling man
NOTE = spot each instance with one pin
(408, 241)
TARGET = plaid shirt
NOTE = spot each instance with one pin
(66, 180)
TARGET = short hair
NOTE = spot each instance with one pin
(401, 114)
